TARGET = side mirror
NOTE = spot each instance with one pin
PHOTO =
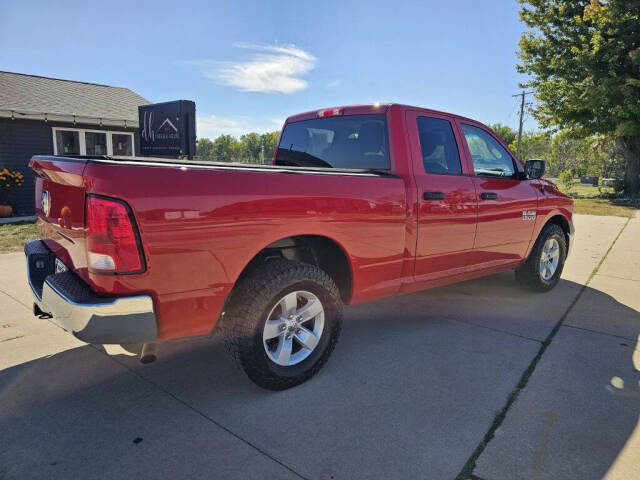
(534, 169)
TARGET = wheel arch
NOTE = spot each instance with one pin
(562, 222)
(555, 217)
(320, 250)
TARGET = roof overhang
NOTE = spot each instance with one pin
(68, 118)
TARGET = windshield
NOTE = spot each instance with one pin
(353, 141)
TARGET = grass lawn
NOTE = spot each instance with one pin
(589, 200)
(588, 191)
(13, 237)
(605, 206)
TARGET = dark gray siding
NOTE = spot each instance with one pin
(20, 140)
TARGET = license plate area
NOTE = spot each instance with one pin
(60, 267)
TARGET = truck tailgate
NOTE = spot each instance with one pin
(59, 205)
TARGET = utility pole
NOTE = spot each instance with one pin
(521, 118)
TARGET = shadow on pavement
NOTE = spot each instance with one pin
(578, 415)
(410, 391)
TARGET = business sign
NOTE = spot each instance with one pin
(168, 129)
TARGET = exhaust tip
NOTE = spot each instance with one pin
(149, 353)
(148, 358)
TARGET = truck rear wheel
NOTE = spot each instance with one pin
(282, 323)
(541, 272)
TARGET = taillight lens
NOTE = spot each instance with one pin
(112, 244)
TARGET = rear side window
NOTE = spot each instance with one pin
(439, 149)
(352, 141)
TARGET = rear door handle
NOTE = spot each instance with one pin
(433, 195)
(488, 195)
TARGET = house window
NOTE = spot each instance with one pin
(67, 142)
(122, 145)
(76, 141)
(96, 143)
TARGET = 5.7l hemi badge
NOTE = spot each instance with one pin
(529, 214)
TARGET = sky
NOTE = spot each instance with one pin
(248, 64)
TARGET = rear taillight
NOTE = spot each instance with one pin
(112, 242)
(330, 112)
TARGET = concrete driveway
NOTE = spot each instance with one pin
(477, 380)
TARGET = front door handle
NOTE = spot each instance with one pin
(433, 195)
(488, 195)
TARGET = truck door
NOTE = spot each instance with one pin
(446, 198)
(507, 204)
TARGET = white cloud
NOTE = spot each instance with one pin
(278, 122)
(334, 83)
(275, 69)
(213, 126)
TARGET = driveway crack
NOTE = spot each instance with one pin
(618, 277)
(11, 338)
(493, 329)
(14, 298)
(202, 414)
(467, 470)
(622, 337)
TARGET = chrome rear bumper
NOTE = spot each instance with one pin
(79, 310)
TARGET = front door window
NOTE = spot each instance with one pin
(490, 159)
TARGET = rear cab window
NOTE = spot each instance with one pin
(438, 146)
(350, 141)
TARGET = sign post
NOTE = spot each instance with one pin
(168, 129)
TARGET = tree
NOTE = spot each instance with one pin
(607, 160)
(506, 133)
(533, 145)
(240, 153)
(251, 148)
(253, 141)
(204, 149)
(566, 153)
(269, 140)
(584, 65)
(597, 156)
(222, 148)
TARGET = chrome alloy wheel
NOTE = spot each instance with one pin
(293, 328)
(549, 258)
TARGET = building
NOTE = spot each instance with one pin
(41, 115)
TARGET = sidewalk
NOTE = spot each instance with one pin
(577, 417)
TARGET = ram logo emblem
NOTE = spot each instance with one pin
(528, 214)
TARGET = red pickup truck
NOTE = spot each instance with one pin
(360, 203)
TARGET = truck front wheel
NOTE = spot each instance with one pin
(282, 323)
(541, 272)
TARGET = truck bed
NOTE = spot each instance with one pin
(201, 223)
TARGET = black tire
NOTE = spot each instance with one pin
(529, 275)
(254, 297)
